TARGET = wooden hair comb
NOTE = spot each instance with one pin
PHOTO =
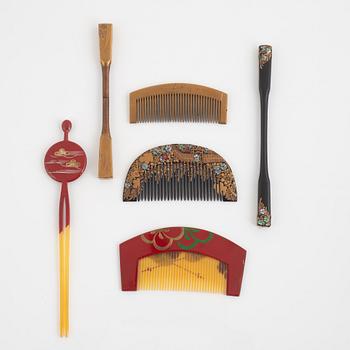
(180, 172)
(264, 197)
(105, 162)
(65, 161)
(182, 258)
(179, 103)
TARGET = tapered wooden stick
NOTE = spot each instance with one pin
(105, 163)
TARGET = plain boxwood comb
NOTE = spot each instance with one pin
(178, 102)
(182, 258)
(264, 198)
(180, 172)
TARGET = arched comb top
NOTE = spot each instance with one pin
(178, 102)
(180, 172)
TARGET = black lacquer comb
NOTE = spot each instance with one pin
(180, 172)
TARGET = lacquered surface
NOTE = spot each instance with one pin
(65, 161)
(182, 239)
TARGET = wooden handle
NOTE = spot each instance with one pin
(105, 31)
(264, 197)
(105, 100)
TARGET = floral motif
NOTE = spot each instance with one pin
(264, 217)
(156, 151)
(161, 239)
(167, 148)
(194, 236)
(265, 54)
(197, 157)
(223, 166)
(186, 239)
(193, 161)
(184, 147)
(144, 166)
(164, 157)
(218, 169)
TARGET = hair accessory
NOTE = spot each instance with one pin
(105, 162)
(180, 172)
(182, 258)
(178, 102)
(65, 161)
(264, 198)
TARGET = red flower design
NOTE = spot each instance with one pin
(162, 239)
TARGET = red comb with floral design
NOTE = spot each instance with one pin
(182, 258)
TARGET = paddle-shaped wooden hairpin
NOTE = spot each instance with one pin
(105, 163)
(65, 161)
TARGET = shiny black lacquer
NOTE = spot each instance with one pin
(264, 197)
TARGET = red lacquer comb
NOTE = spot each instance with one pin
(182, 258)
(65, 161)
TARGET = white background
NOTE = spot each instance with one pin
(295, 292)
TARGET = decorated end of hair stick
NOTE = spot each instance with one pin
(65, 161)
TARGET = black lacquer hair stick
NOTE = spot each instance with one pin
(264, 198)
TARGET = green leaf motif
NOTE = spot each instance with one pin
(190, 235)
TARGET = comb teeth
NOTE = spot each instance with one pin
(178, 103)
(180, 181)
(182, 271)
(177, 108)
(180, 172)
